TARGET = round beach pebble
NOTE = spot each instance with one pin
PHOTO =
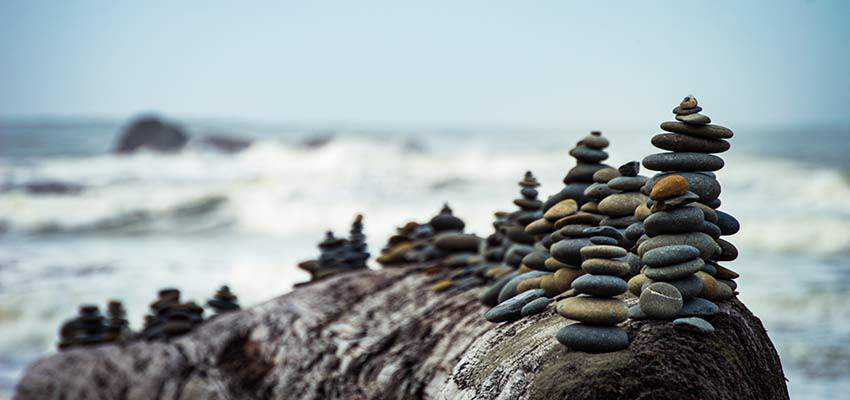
(582, 172)
(703, 131)
(684, 143)
(490, 296)
(725, 273)
(637, 282)
(561, 209)
(686, 162)
(706, 244)
(536, 306)
(593, 339)
(600, 285)
(594, 311)
(554, 265)
(588, 155)
(626, 183)
(511, 309)
(541, 226)
(660, 300)
(457, 242)
(698, 307)
(621, 204)
(597, 191)
(689, 287)
(709, 285)
(560, 281)
(595, 140)
(599, 266)
(529, 284)
(674, 271)
(605, 174)
(677, 220)
(510, 288)
(703, 185)
(669, 255)
(606, 252)
(668, 187)
(695, 119)
(727, 223)
(728, 251)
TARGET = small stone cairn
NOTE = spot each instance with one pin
(87, 329)
(170, 318)
(223, 301)
(117, 326)
(596, 308)
(357, 252)
(589, 154)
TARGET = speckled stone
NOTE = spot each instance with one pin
(597, 191)
(621, 204)
(594, 311)
(637, 282)
(626, 183)
(568, 251)
(539, 227)
(660, 300)
(709, 213)
(728, 251)
(703, 131)
(606, 252)
(619, 222)
(579, 218)
(634, 262)
(668, 187)
(606, 174)
(511, 309)
(709, 285)
(536, 306)
(600, 266)
(588, 155)
(685, 143)
(600, 285)
(642, 212)
(554, 265)
(698, 307)
(705, 186)
(593, 339)
(636, 313)
(727, 223)
(510, 289)
(603, 231)
(709, 229)
(561, 210)
(634, 231)
(677, 220)
(670, 255)
(693, 324)
(706, 244)
(675, 271)
(694, 119)
(686, 162)
(689, 287)
(604, 241)
(688, 103)
(631, 168)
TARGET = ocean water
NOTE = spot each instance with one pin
(201, 218)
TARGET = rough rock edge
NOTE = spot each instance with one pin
(384, 334)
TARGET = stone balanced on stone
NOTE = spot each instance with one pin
(117, 326)
(170, 318)
(87, 329)
(395, 251)
(223, 301)
(357, 251)
(519, 243)
(331, 258)
(619, 208)
(589, 153)
(596, 308)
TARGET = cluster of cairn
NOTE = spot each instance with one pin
(169, 318)
(338, 255)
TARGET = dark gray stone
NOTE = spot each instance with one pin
(583, 172)
(600, 285)
(604, 240)
(698, 307)
(568, 251)
(490, 296)
(689, 144)
(728, 251)
(588, 155)
(675, 271)
(709, 229)
(727, 223)
(693, 324)
(703, 131)
(603, 231)
(634, 231)
(706, 244)
(593, 339)
(511, 309)
(601, 251)
(535, 260)
(631, 168)
(598, 191)
(705, 186)
(689, 287)
(678, 220)
(535, 306)
(153, 134)
(509, 290)
(686, 162)
(670, 255)
(627, 183)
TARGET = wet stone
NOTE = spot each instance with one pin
(539, 227)
(582, 172)
(603, 231)
(684, 143)
(511, 309)
(595, 311)
(605, 174)
(560, 281)
(698, 307)
(536, 260)
(660, 301)
(709, 229)
(626, 183)
(675, 271)
(593, 339)
(536, 306)
(693, 324)
(637, 282)
(490, 296)
(668, 187)
(600, 285)
(680, 111)
(689, 287)
(604, 240)
(703, 131)
(686, 162)
(598, 191)
(606, 252)
(670, 255)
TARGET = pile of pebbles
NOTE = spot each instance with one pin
(589, 154)
(87, 329)
(171, 318)
(596, 307)
(338, 255)
(223, 301)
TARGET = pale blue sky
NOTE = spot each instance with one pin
(444, 63)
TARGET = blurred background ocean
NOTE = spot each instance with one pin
(390, 111)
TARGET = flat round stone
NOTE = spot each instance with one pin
(599, 266)
(691, 144)
(706, 244)
(709, 229)
(536, 260)
(694, 119)
(689, 287)
(600, 285)
(535, 306)
(677, 220)
(634, 263)
(703, 131)
(529, 284)
(560, 281)
(728, 224)
(593, 339)
(588, 155)
(604, 240)
(693, 324)
(453, 242)
(705, 186)
(634, 231)
(540, 227)
(621, 204)
(510, 288)
(626, 183)
(670, 255)
(554, 265)
(725, 273)
(685, 162)
(603, 231)
(573, 191)
(606, 252)
(579, 218)
(619, 222)
(568, 251)
(682, 111)
(598, 191)
(698, 307)
(675, 271)
(669, 187)
(605, 174)
(660, 300)
(594, 311)
(561, 209)
(590, 206)
(511, 309)
(582, 172)
(595, 141)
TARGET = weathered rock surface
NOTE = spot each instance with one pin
(385, 335)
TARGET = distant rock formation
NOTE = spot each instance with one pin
(151, 133)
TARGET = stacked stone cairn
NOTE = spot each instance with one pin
(458, 253)
(589, 154)
(495, 246)
(117, 326)
(519, 243)
(395, 251)
(692, 142)
(596, 307)
(223, 301)
(170, 318)
(357, 251)
(87, 329)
